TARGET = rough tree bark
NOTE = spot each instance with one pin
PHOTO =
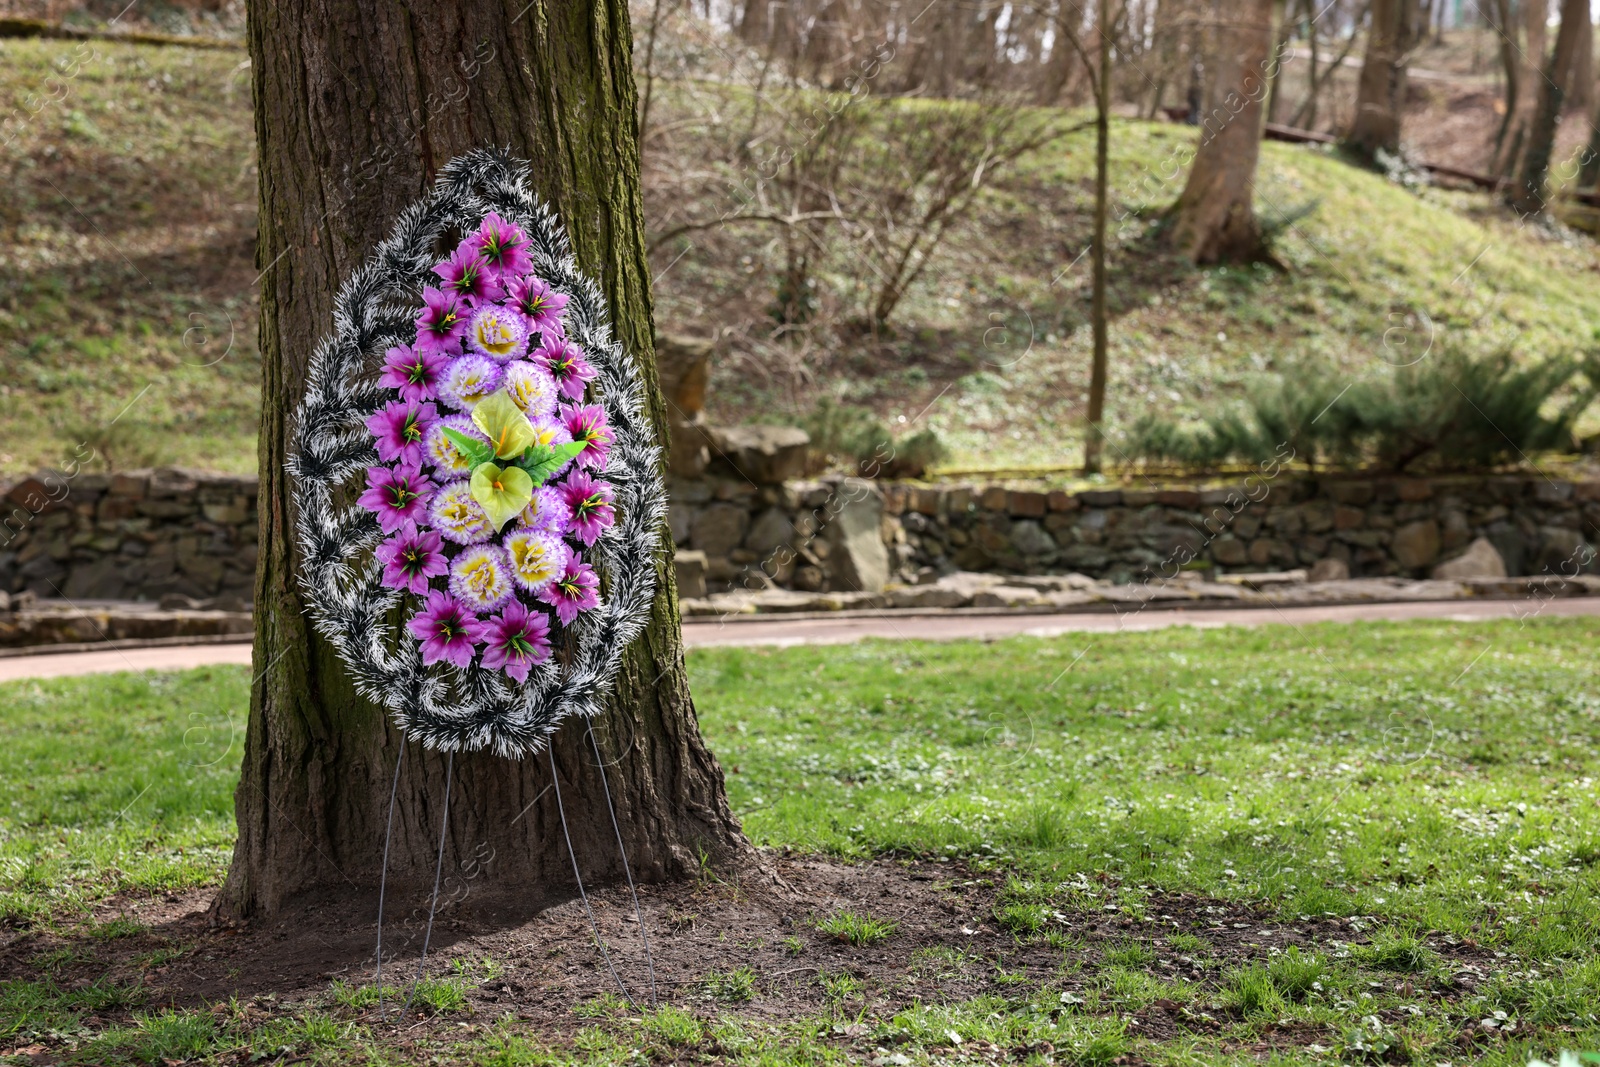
(1528, 194)
(1213, 220)
(1381, 89)
(358, 103)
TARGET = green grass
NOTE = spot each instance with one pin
(857, 928)
(127, 222)
(1322, 770)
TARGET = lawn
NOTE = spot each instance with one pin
(1432, 787)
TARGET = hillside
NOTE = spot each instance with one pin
(126, 277)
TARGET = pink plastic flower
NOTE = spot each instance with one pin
(466, 274)
(574, 592)
(539, 304)
(503, 246)
(447, 630)
(567, 365)
(587, 425)
(396, 495)
(441, 322)
(516, 640)
(589, 504)
(400, 428)
(414, 372)
(410, 558)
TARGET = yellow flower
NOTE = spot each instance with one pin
(508, 428)
(503, 491)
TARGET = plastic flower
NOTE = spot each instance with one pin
(414, 372)
(589, 503)
(503, 246)
(411, 557)
(550, 432)
(537, 557)
(481, 577)
(468, 380)
(466, 274)
(538, 303)
(516, 640)
(531, 386)
(587, 425)
(546, 511)
(396, 495)
(567, 365)
(502, 491)
(498, 332)
(400, 428)
(446, 629)
(504, 424)
(441, 322)
(443, 453)
(459, 517)
(574, 591)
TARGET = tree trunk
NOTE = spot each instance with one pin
(358, 104)
(1530, 68)
(1381, 89)
(1528, 195)
(1213, 218)
(1095, 432)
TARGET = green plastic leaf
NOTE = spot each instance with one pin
(503, 491)
(474, 450)
(508, 429)
(543, 462)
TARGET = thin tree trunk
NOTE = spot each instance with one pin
(1498, 15)
(1530, 68)
(1102, 129)
(1528, 195)
(1380, 92)
(1580, 86)
(1213, 218)
(358, 103)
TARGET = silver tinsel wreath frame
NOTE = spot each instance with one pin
(443, 707)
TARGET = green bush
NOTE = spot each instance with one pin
(854, 436)
(1453, 411)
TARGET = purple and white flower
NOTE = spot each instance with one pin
(458, 517)
(468, 380)
(480, 577)
(537, 557)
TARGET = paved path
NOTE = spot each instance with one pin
(781, 631)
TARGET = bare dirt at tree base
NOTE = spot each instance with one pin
(545, 962)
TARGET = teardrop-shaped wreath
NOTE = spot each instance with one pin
(477, 486)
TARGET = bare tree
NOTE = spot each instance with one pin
(1380, 93)
(1528, 194)
(1214, 220)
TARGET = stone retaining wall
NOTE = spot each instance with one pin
(147, 535)
(134, 535)
(1266, 522)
